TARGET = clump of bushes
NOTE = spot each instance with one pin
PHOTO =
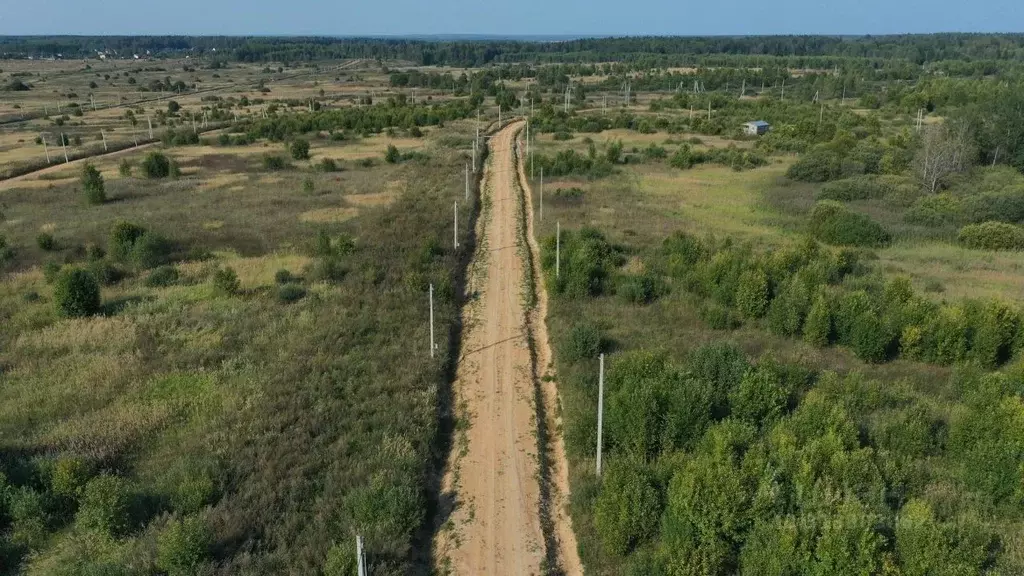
(290, 292)
(225, 281)
(935, 210)
(162, 277)
(274, 162)
(76, 293)
(833, 223)
(327, 165)
(105, 505)
(299, 149)
(584, 342)
(992, 236)
(45, 241)
(864, 187)
(156, 165)
(183, 546)
(132, 243)
(586, 263)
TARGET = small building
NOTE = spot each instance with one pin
(756, 128)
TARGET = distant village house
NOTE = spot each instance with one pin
(756, 128)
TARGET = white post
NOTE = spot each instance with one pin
(600, 412)
(709, 109)
(360, 557)
(474, 156)
(150, 120)
(135, 136)
(63, 143)
(104, 136)
(45, 150)
(455, 229)
(542, 194)
(92, 99)
(558, 249)
(431, 320)
(467, 182)
(499, 115)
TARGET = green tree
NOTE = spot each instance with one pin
(156, 165)
(92, 185)
(752, 293)
(183, 546)
(818, 329)
(392, 156)
(628, 508)
(761, 396)
(225, 281)
(76, 293)
(105, 505)
(299, 149)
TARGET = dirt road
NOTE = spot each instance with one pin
(492, 475)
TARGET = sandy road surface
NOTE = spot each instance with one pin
(492, 474)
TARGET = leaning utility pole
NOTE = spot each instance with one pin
(45, 150)
(431, 297)
(558, 248)
(64, 144)
(600, 412)
(104, 136)
(455, 233)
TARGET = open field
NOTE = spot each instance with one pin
(215, 345)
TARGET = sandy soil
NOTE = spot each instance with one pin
(495, 526)
(492, 475)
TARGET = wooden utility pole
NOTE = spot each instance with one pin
(431, 297)
(360, 557)
(45, 150)
(467, 182)
(455, 228)
(150, 120)
(558, 248)
(600, 412)
(104, 136)
(542, 194)
(64, 144)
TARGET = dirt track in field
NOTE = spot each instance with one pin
(492, 475)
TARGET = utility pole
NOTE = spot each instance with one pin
(431, 320)
(600, 412)
(150, 120)
(64, 144)
(104, 136)
(709, 108)
(821, 116)
(467, 182)
(45, 150)
(360, 557)
(474, 156)
(558, 248)
(499, 115)
(783, 89)
(743, 90)
(542, 193)
(455, 232)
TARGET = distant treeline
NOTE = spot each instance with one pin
(915, 49)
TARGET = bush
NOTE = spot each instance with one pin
(45, 241)
(283, 276)
(627, 509)
(273, 162)
(868, 187)
(818, 165)
(935, 210)
(122, 239)
(76, 293)
(289, 293)
(638, 289)
(151, 250)
(29, 520)
(225, 281)
(752, 293)
(833, 223)
(992, 236)
(788, 310)
(182, 546)
(871, 338)
(583, 343)
(92, 185)
(105, 505)
(299, 149)
(818, 329)
(162, 277)
(125, 168)
(308, 186)
(719, 317)
(156, 165)
(761, 396)
(392, 156)
(106, 273)
(327, 165)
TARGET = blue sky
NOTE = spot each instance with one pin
(582, 17)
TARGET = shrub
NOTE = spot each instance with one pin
(125, 168)
(274, 162)
(288, 293)
(122, 239)
(69, 477)
(627, 509)
(50, 271)
(29, 520)
(1004, 205)
(283, 276)
(162, 277)
(752, 293)
(175, 171)
(156, 165)
(45, 241)
(308, 186)
(583, 342)
(106, 273)
(870, 338)
(719, 317)
(182, 546)
(151, 250)
(76, 293)
(833, 223)
(587, 258)
(299, 149)
(818, 165)
(788, 310)
(638, 289)
(105, 505)
(327, 165)
(935, 210)
(868, 187)
(992, 236)
(818, 328)
(92, 185)
(225, 281)
(392, 156)
(761, 396)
